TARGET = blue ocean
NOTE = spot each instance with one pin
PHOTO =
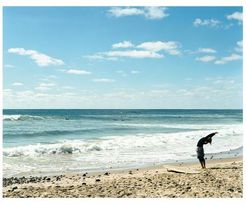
(50, 141)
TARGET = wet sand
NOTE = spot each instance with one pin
(222, 178)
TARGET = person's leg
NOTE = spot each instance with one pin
(201, 161)
(204, 164)
(200, 156)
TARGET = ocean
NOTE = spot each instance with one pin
(51, 141)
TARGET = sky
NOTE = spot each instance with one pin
(122, 57)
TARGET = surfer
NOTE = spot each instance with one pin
(200, 150)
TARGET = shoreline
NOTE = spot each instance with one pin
(222, 178)
(234, 153)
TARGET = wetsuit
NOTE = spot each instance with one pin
(200, 150)
(201, 142)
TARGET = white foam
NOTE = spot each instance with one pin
(178, 126)
(21, 117)
(119, 151)
(129, 142)
(11, 117)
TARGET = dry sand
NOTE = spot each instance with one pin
(222, 178)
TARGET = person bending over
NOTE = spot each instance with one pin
(200, 150)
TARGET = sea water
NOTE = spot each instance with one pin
(58, 141)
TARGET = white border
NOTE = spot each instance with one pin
(244, 99)
(118, 3)
(122, 2)
(1, 93)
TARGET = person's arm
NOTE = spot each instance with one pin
(211, 134)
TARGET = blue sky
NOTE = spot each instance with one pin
(122, 57)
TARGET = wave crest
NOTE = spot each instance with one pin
(63, 148)
(140, 144)
(21, 117)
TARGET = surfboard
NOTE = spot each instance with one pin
(185, 170)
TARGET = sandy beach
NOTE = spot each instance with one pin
(222, 178)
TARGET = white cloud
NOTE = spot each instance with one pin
(45, 86)
(170, 47)
(52, 77)
(232, 57)
(7, 90)
(206, 50)
(134, 54)
(184, 92)
(155, 12)
(8, 66)
(126, 11)
(24, 94)
(103, 80)
(218, 81)
(7, 93)
(95, 57)
(206, 58)
(49, 78)
(227, 26)
(78, 72)
(239, 47)
(68, 87)
(210, 94)
(135, 72)
(159, 93)
(206, 22)
(147, 12)
(99, 56)
(42, 88)
(123, 44)
(40, 59)
(235, 16)
(17, 84)
(149, 49)
(240, 43)
(224, 81)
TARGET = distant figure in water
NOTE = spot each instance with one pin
(200, 150)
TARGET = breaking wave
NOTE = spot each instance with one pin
(21, 117)
(159, 143)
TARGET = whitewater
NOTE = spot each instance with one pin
(53, 141)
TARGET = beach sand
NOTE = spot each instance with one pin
(222, 178)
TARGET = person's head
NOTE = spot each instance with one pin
(209, 140)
